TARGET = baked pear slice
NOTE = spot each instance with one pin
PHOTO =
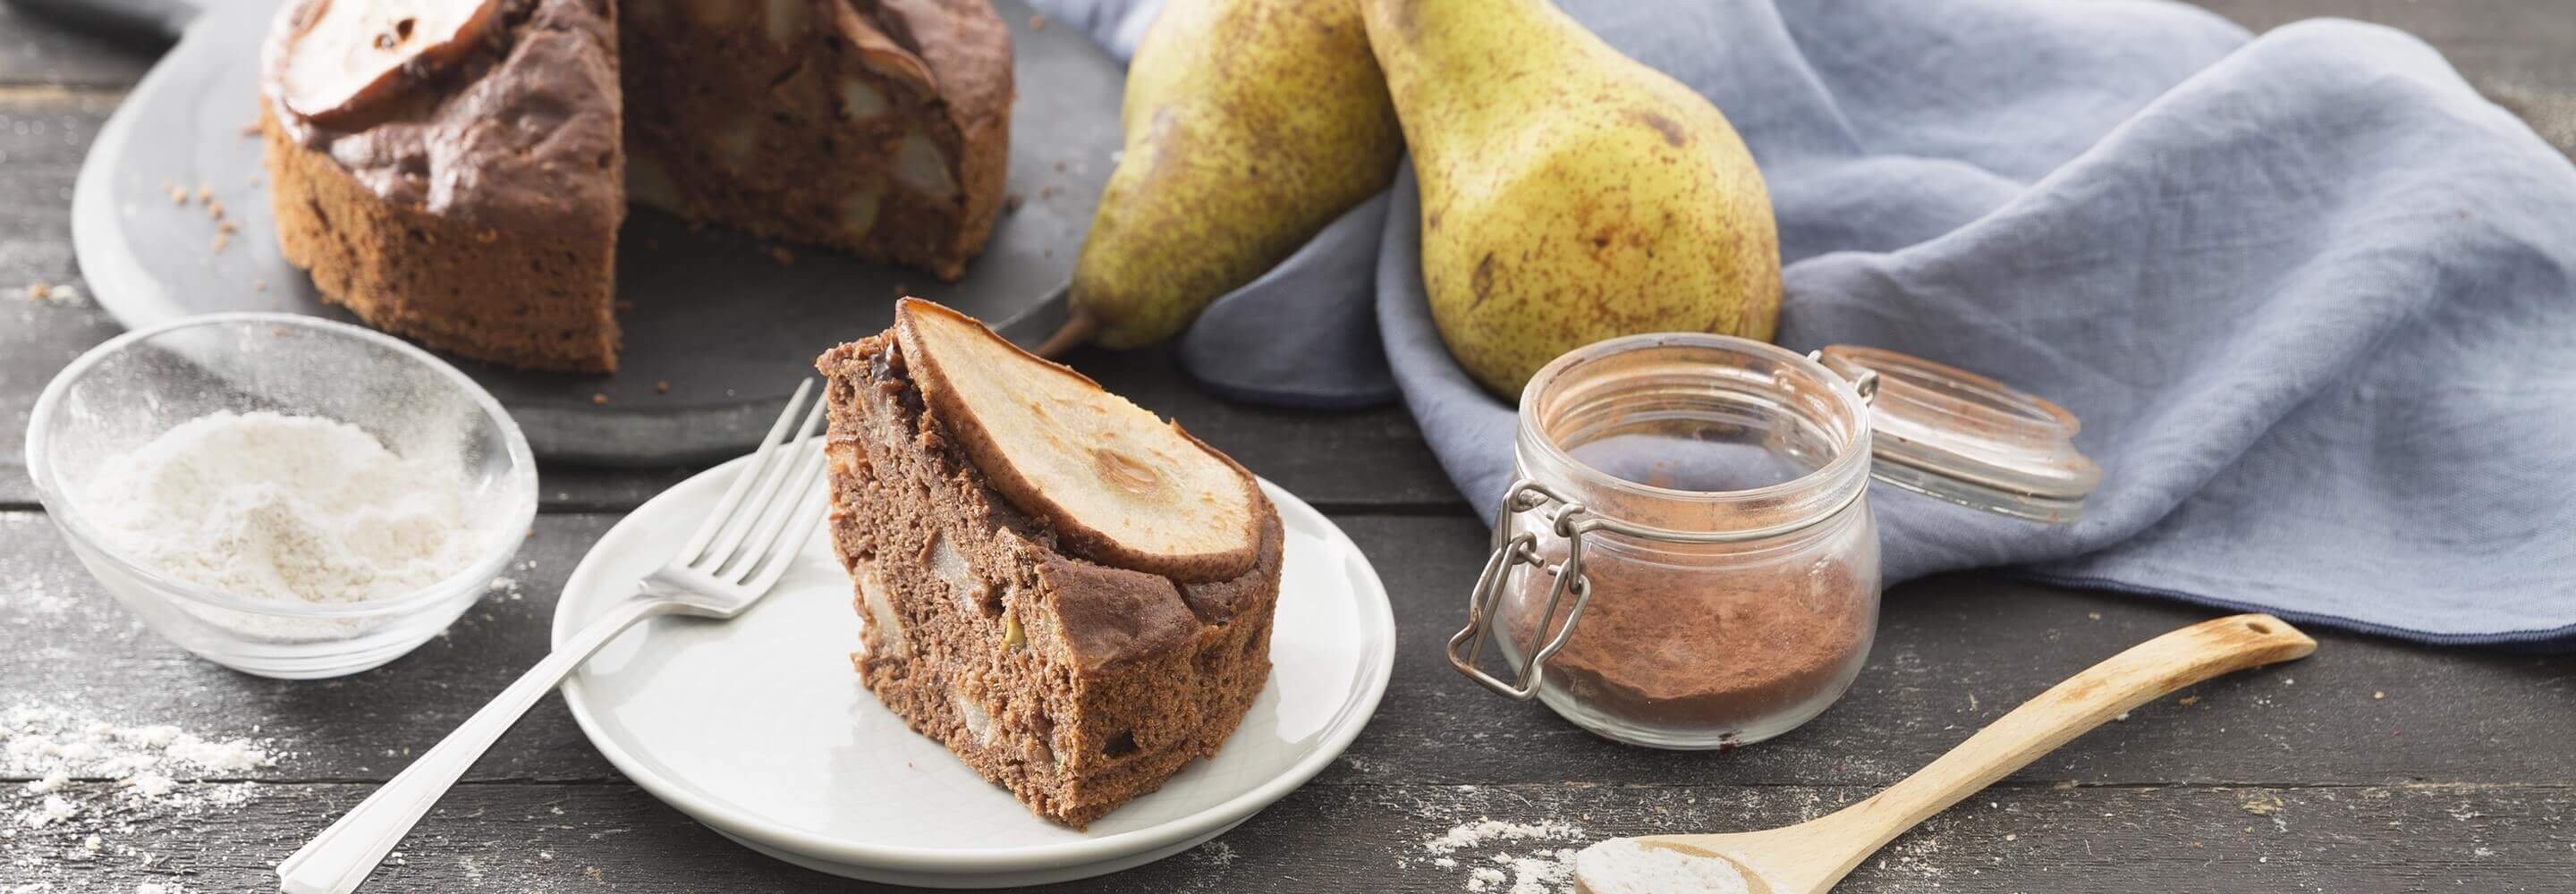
(1120, 485)
(352, 55)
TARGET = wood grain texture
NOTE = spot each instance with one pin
(2085, 840)
(1811, 856)
(38, 51)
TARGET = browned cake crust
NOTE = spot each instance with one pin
(479, 213)
(481, 291)
(1075, 685)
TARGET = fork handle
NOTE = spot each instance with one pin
(340, 858)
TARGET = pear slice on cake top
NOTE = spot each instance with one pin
(1117, 482)
(352, 55)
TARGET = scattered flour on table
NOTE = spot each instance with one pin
(285, 507)
(1216, 853)
(1520, 868)
(27, 593)
(153, 769)
(96, 784)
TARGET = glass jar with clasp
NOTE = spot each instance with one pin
(1686, 557)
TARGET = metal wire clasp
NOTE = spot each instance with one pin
(1570, 521)
(1865, 384)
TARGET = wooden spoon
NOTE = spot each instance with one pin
(1808, 858)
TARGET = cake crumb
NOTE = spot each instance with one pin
(204, 194)
(214, 209)
(1048, 191)
(2375, 696)
(624, 306)
(1011, 202)
(2189, 700)
(1037, 22)
(63, 294)
(178, 195)
(782, 255)
(250, 130)
(661, 387)
(598, 399)
(223, 241)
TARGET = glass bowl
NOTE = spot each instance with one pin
(124, 393)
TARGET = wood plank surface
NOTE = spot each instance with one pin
(34, 50)
(2080, 840)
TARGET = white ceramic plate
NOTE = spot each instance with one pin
(759, 728)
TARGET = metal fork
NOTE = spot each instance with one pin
(734, 558)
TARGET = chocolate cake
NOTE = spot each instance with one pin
(455, 171)
(1072, 596)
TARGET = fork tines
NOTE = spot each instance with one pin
(740, 543)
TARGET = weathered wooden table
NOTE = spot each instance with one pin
(2371, 767)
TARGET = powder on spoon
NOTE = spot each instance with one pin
(294, 508)
(1627, 866)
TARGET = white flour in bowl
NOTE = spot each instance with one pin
(281, 507)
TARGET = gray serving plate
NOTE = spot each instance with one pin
(730, 329)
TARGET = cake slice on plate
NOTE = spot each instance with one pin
(1071, 594)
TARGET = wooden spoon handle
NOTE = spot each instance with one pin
(2069, 709)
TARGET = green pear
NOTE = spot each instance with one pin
(1250, 124)
(1569, 193)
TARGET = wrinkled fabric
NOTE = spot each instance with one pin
(2309, 293)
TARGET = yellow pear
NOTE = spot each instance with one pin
(1569, 193)
(1250, 124)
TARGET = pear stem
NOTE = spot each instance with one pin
(1079, 326)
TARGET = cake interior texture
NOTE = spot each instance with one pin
(1075, 685)
(865, 127)
(476, 208)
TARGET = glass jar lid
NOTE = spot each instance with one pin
(1954, 435)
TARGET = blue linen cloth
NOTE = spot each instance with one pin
(2313, 298)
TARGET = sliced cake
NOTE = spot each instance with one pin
(1071, 594)
(876, 128)
(453, 177)
(455, 171)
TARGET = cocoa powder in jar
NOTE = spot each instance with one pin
(1718, 647)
